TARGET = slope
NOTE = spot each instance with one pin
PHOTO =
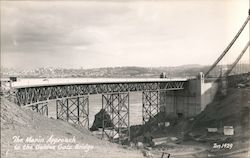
(30, 126)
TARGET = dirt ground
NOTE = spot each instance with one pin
(195, 140)
(25, 123)
(230, 110)
(196, 143)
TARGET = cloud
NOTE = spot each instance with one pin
(36, 28)
(96, 34)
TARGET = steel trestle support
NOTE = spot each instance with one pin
(150, 105)
(74, 110)
(41, 108)
(116, 105)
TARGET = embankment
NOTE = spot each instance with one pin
(33, 132)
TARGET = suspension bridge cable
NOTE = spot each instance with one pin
(229, 46)
(238, 59)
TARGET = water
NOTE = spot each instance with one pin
(95, 105)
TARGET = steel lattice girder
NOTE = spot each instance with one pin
(41, 108)
(150, 105)
(74, 110)
(31, 95)
(117, 106)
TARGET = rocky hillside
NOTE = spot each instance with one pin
(231, 110)
(27, 134)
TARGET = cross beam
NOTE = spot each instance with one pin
(74, 110)
(41, 108)
(150, 105)
(116, 105)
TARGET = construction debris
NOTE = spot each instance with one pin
(228, 130)
(212, 130)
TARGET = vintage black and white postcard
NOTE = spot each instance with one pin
(125, 79)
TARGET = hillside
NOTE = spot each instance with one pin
(110, 72)
(232, 110)
(113, 72)
(26, 123)
(224, 111)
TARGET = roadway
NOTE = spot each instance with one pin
(25, 83)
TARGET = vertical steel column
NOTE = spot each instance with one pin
(162, 101)
(61, 109)
(78, 110)
(150, 105)
(116, 105)
(41, 108)
(175, 102)
(84, 111)
(74, 110)
(128, 119)
(67, 112)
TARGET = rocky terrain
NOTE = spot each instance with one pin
(18, 124)
(230, 110)
(184, 138)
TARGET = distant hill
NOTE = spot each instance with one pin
(111, 72)
(121, 72)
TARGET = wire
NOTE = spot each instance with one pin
(229, 46)
(237, 60)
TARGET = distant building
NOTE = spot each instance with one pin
(163, 75)
(13, 79)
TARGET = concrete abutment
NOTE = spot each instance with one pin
(190, 101)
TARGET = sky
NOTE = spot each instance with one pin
(93, 34)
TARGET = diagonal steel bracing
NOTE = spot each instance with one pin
(41, 108)
(32, 95)
(116, 106)
(150, 105)
(74, 110)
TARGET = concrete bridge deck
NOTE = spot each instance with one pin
(28, 83)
